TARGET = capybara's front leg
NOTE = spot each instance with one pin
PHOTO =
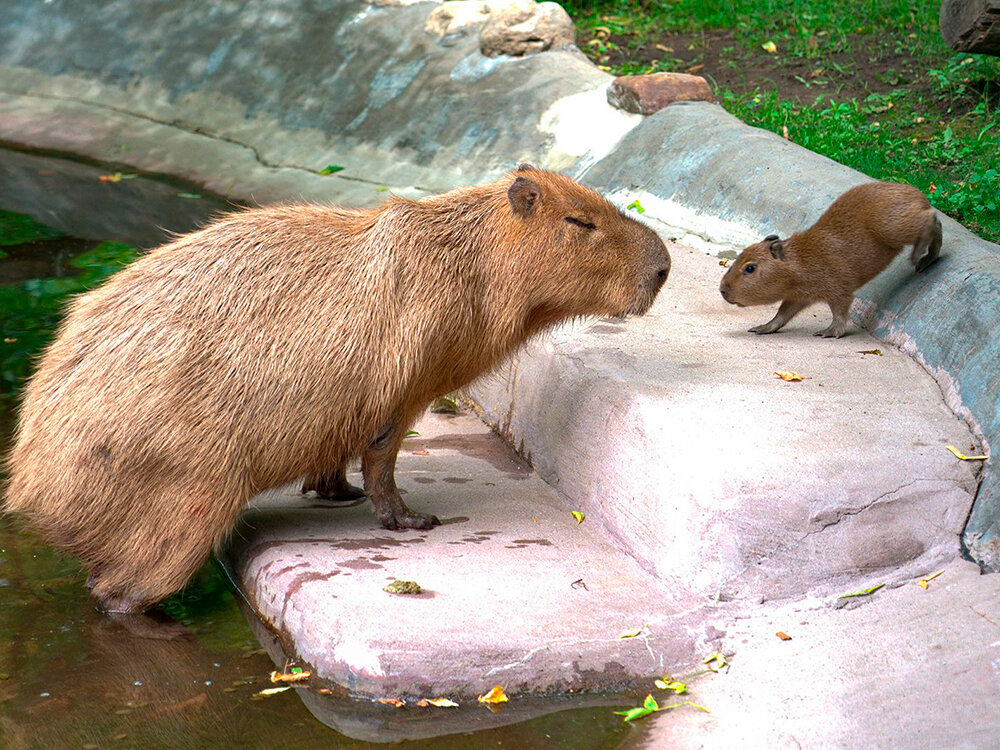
(379, 466)
(332, 485)
(786, 312)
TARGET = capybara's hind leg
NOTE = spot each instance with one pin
(379, 466)
(146, 565)
(927, 248)
(332, 486)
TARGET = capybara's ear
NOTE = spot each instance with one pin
(770, 237)
(525, 167)
(777, 250)
(523, 195)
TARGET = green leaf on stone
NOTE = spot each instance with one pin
(863, 592)
(331, 169)
(636, 206)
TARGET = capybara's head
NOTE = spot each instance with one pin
(761, 275)
(595, 259)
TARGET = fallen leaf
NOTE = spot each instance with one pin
(116, 177)
(695, 69)
(292, 676)
(192, 196)
(783, 635)
(635, 206)
(496, 695)
(392, 702)
(649, 706)
(788, 375)
(963, 457)
(271, 691)
(631, 633)
(715, 661)
(724, 262)
(410, 433)
(871, 351)
(863, 592)
(439, 702)
(663, 48)
(922, 583)
(769, 47)
(403, 587)
(331, 169)
(420, 453)
(667, 684)
(577, 515)
(325, 691)
(784, 132)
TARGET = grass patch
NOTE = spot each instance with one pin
(870, 85)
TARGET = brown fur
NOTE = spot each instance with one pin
(853, 241)
(285, 341)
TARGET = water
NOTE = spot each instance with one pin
(71, 677)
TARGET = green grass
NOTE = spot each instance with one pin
(877, 90)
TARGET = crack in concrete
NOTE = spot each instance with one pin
(842, 514)
(194, 130)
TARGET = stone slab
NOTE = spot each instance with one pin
(904, 668)
(724, 480)
(516, 592)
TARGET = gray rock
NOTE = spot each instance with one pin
(524, 27)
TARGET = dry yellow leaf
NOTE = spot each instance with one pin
(496, 695)
(290, 676)
(578, 516)
(631, 633)
(392, 702)
(788, 375)
(439, 702)
(962, 456)
(922, 583)
(769, 47)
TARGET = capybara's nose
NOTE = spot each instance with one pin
(724, 289)
(662, 274)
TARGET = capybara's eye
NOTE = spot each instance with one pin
(749, 268)
(580, 223)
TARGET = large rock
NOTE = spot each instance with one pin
(523, 27)
(454, 16)
(650, 93)
(971, 25)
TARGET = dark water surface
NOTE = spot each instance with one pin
(73, 678)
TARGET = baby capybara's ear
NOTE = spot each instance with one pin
(525, 167)
(523, 194)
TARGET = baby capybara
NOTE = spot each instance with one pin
(850, 244)
(285, 341)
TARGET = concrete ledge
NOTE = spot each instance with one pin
(693, 160)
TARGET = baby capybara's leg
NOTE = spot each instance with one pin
(332, 485)
(379, 466)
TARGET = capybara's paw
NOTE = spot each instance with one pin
(833, 332)
(410, 520)
(762, 328)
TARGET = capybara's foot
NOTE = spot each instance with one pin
(403, 518)
(332, 487)
(763, 328)
(833, 331)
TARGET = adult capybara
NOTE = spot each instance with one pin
(852, 242)
(285, 341)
